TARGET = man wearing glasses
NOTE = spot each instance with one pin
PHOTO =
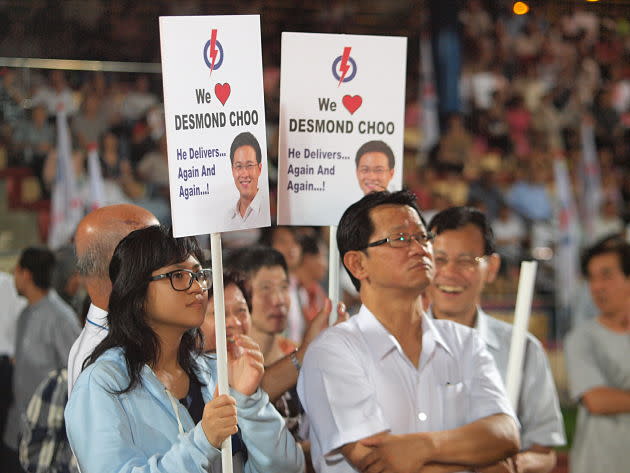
(375, 166)
(246, 160)
(392, 389)
(465, 261)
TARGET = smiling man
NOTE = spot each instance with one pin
(246, 161)
(392, 389)
(375, 166)
(465, 261)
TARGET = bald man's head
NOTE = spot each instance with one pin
(97, 236)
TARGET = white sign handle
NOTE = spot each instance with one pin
(219, 324)
(333, 274)
(519, 333)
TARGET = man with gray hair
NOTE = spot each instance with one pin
(96, 237)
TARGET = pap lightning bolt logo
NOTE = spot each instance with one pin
(213, 52)
(213, 48)
(344, 67)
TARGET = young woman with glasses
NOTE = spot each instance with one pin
(146, 399)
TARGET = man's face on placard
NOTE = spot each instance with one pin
(373, 172)
(246, 170)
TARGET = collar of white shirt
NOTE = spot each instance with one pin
(97, 316)
(254, 207)
(481, 325)
(485, 332)
(382, 342)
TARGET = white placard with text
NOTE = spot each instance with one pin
(342, 101)
(215, 123)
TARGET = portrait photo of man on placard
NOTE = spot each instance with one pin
(375, 166)
(246, 163)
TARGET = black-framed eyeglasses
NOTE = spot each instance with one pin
(182, 279)
(403, 240)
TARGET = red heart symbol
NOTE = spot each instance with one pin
(222, 91)
(352, 103)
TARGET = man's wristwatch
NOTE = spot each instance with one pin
(294, 360)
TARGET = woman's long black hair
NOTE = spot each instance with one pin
(135, 258)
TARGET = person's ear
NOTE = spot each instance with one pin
(355, 262)
(494, 263)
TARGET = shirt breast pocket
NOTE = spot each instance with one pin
(454, 404)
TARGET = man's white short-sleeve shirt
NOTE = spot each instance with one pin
(356, 382)
(93, 333)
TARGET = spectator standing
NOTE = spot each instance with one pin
(95, 240)
(381, 389)
(597, 363)
(45, 331)
(465, 261)
(12, 305)
(44, 446)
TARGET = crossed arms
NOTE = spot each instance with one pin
(481, 442)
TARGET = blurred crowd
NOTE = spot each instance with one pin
(528, 85)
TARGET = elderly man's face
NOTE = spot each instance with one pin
(246, 170)
(373, 172)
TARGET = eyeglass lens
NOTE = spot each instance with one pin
(182, 280)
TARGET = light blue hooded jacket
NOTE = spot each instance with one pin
(138, 431)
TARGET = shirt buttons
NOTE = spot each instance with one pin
(422, 416)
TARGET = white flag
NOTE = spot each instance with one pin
(567, 252)
(96, 197)
(429, 122)
(66, 206)
(591, 180)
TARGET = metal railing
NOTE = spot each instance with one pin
(81, 65)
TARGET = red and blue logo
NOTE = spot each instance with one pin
(213, 52)
(342, 65)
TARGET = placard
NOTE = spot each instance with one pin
(215, 123)
(342, 100)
